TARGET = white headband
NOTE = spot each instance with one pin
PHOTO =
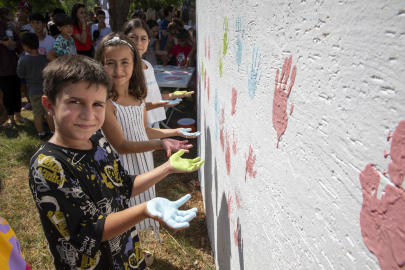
(114, 39)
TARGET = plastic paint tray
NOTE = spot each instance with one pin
(172, 78)
(179, 72)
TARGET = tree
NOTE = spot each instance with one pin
(118, 13)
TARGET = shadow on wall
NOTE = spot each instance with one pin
(223, 236)
(208, 186)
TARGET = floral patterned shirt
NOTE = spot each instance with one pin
(62, 46)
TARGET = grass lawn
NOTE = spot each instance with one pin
(186, 249)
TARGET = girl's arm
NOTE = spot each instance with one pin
(113, 132)
(153, 133)
(158, 104)
(82, 37)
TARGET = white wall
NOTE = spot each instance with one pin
(298, 206)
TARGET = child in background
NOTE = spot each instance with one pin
(6, 15)
(30, 67)
(153, 45)
(100, 26)
(125, 119)
(81, 32)
(64, 43)
(53, 29)
(139, 33)
(23, 25)
(78, 184)
(46, 42)
(181, 50)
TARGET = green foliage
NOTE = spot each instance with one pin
(40, 6)
(155, 4)
(68, 4)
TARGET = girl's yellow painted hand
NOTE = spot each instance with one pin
(182, 165)
(181, 94)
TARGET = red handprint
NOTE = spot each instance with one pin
(280, 118)
(234, 145)
(382, 221)
(250, 162)
(234, 98)
(229, 204)
(227, 155)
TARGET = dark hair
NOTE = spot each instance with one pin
(185, 17)
(96, 8)
(73, 14)
(62, 19)
(58, 11)
(30, 40)
(70, 69)
(167, 10)
(135, 23)
(52, 15)
(137, 83)
(3, 12)
(134, 16)
(100, 12)
(195, 33)
(152, 23)
(191, 7)
(177, 14)
(182, 34)
(36, 17)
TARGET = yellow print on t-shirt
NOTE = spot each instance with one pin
(113, 174)
(58, 219)
(51, 169)
(88, 262)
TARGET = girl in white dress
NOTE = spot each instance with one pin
(125, 119)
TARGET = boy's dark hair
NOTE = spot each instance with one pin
(70, 69)
(58, 11)
(100, 12)
(36, 17)
(75, 8)
(96, 8)
(135, 23)
(167, 10)
(182, 34)
(137, 84)
(62, 19)
(30, 40)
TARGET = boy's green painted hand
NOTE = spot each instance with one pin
(181, 94)
(182, 165)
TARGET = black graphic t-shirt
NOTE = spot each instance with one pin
(75, 191)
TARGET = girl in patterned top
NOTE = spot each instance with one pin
(126, 119)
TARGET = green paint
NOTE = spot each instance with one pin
(183, 164)
(220, 61)
(179, 93)
(226, 40)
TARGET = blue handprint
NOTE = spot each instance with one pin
(254, 79)
(167, 211)
(238, 50)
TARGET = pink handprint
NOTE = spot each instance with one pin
(229, 204)
(280, 118)
(227, 155)
(234, 145)
(382, 221)
(250, 162)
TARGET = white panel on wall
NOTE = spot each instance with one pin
(297, 205)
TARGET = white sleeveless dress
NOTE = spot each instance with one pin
(130, 119)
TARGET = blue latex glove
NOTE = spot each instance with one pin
(172, 102)
(167, 211)
(185, 132)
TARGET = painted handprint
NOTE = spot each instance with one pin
(280, 118)
(226, 40)
(382, 221)
(220, 61)
(238, 49)
(254, 77)
(250, 162)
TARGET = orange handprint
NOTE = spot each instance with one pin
(280, 118)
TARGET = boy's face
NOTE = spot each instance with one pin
(24, 14)
(38, 26)
(66, 30)
(182, 42)
(79, 111)
(101, 18)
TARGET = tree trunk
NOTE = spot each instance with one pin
(118, 13)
